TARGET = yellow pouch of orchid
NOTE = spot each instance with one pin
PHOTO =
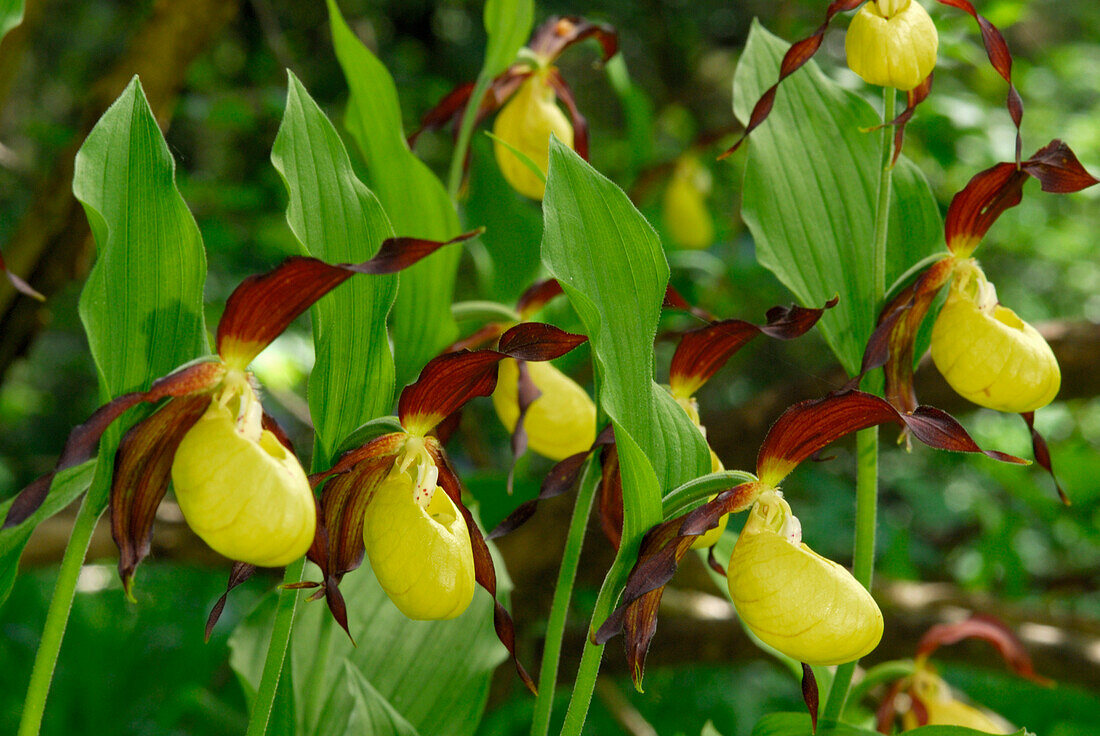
(525, 123)
(892, 43)
(560, 422)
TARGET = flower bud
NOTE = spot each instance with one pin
(942, 708)
(239, 488)
(684, 208)
(792, 598)
(526, 123)
(988, 354)
(892, 43)
(560, 422)
(419, 548)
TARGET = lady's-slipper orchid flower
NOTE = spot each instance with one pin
(923, 698)
(801, 432)
(560, 422)
(527, 92)
(397, 500)
(892, 43)
(891, 28)
(525, 124)
(988, 354)
(795, 600)
(980, 344)
(684, 208)
(238, 482)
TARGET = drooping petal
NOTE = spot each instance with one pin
(484, 571)
(83, 441)
(1056, 167)
(1041, 453)
(142, 468)
(913, 98)
(675, 300)
(578, 120)
(810, 426)
(19, 284)
(526, 394)
(453, 106)
(809, 694)
(537, 341)
(239, 573)
(703, 351)
(537, 296)
(263, 305)
(797, 55)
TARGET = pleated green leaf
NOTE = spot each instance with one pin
(811, 179)
(11, 15)
(413, 198)
(142, 304)
(337, 219)
(357, 707)
(508, 24)
(612, 268)
(434, 674)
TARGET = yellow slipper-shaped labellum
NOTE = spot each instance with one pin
(419, 548)
(241, 490)
(795, 600)
(988, 354)
(525, 123)
(684, 207)
(560, 422)
(892, 43)
(944, 709)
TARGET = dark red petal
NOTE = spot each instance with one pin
(713, 563)
(674, 300)
(483, 336)
(453, 106)
(1058, 170)
(809, 426)
(143, 466)
(639, 628)
(1042, 454)
(986, 628)
(83, 441)
(537, 296)
(611, 496)
(272, 425)
(446, 110)
(797, 55)
(445, 385)
(484, 572)
(538, 341)
(886, 712)
(240, 572)
(339, 549)
(580, 123)
(558, 33)
(381, 446)
(527, 392)
(997, 51)
(703, 351)
(974, 210)
(809, 694)
(19, 284)
(263, 305)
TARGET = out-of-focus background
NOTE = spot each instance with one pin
(957, 534)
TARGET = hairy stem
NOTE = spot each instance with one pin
(276, 651)
(563, 593)
(57, 618)
(863, 564)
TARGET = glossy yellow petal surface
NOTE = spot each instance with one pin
(421, 555)
(795, 600)
(241, 491)
(560, 422)
(684, 206)
(526, 122)
(944, 709)
(892, 44)
(988, 354)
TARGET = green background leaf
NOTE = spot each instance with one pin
(810, 183)
(435, 674)
(413, 198)
(508, 23)
(337, 219)
(142, 304)
(611, 266)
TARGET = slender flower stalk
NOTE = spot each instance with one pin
(276, 651)
(563, 593)
(863, 564)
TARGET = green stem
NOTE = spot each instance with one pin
(276, 651)
(590, 661)
(465, 131)
(563, 592)
(315, 680)
(863, 564)
(57, 618)
(483, 311)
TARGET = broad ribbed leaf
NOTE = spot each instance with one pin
(798, 724)
(142, 304)
(337, 219)
(435, 674)
(610, 263)
(411, 195)
(356, 707)
(11, 15)
(810, 184)
(508, 24)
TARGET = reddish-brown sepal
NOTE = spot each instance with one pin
(1041, 453)
(19, 284)
(988, 629)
